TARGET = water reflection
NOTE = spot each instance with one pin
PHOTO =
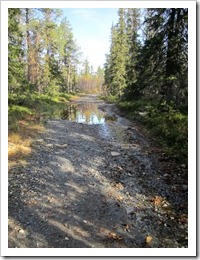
(83, 113)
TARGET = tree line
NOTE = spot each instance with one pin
(44, 57)
(148, 56)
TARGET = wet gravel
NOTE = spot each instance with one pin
(97, 186)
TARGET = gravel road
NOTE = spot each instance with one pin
(90, 185)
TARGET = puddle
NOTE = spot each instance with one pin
(84, 113)
(111, 126)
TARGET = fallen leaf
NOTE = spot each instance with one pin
(149, 239)
(120, 198)
(127, 228)
(114, 236)
(157, 200)
(119, 186)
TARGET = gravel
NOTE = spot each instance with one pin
(99, 186)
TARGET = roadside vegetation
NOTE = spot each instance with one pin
(45, 70)
(167, 126)
(146, 73)
(26, 117)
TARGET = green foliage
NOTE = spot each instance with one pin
(115, 67)
(43, 55)
(16, 113)
(34, 108)
(110, 99)
(155, 92)
(20, 111)
(66, 96)
(168, 127)
(155, 67)
(15, 52)
(135, 106)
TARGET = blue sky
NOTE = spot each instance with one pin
(91, 28)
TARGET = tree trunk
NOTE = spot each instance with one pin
(170, 61)
(28, 40)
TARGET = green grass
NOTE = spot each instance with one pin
(27, 115)
(109, 99)
(167, 126)
(34, 108)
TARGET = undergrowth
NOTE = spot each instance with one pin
(109, 99)
(26, 115)
(167, 126)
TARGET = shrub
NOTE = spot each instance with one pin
(168, 126)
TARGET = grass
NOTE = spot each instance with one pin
(109, 99)
(26, 117)
(167, 126)
(18, 147)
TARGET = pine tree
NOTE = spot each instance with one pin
(33, 48)
(15, 51)
(68, 52)
(49, 58)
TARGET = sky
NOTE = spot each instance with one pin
(91, 28)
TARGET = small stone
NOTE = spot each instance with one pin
(49, 145)
(40, 140)
(165, 205)
(85, 221)
(185, 187)
(66, 238)
(21, 231)
(63, 145)
(183, 165)
(115, 153)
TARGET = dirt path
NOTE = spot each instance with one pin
(96, 185)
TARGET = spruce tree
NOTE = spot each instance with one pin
(132, 27)
(115, 71)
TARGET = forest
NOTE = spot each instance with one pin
(98, 156)
(145, 72)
